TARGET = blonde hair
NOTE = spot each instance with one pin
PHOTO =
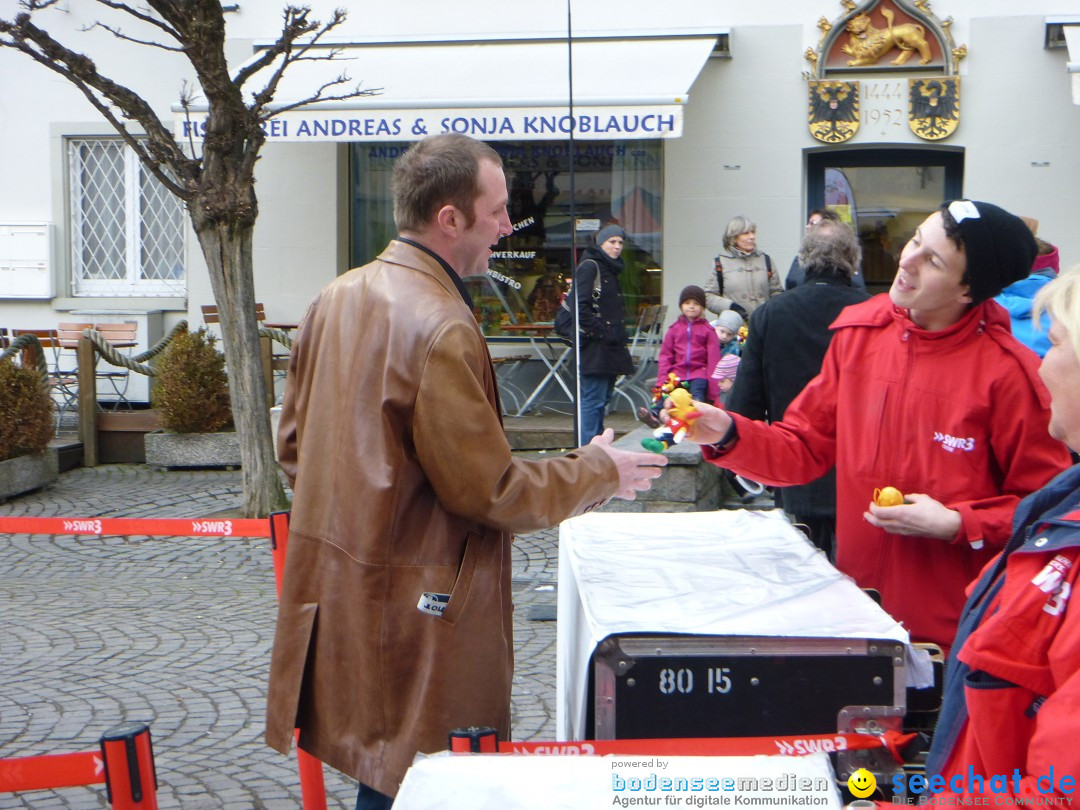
(1061, 300)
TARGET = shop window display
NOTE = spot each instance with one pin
(618, 182)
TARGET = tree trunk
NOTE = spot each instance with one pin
(227, 250)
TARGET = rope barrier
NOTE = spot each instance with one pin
(276, 334)
(120, 527)
(134, 362)
(22, 342)
(49, 771)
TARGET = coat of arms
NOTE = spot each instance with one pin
(934, 107)
(834, 110)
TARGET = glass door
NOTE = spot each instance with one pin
(883, 194)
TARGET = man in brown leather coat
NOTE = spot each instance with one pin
(404, 490)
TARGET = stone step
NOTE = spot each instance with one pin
(555, 431)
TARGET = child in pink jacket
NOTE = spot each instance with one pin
(691, 349)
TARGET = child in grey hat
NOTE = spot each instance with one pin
(727, 328)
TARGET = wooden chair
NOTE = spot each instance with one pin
(119, 336)
(63, 380)
(210, 313)
(275, 364)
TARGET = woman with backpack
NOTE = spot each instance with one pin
(743, 277)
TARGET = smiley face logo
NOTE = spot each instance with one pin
(861, 783)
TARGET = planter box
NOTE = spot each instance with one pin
(120, 435)
(181, 450)
(26, 473)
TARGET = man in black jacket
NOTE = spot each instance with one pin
(796, 274)
(788, 336)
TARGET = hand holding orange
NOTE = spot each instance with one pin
(888, 496)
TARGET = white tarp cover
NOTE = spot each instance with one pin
(624, 88)
(725, 573)
(522, 782)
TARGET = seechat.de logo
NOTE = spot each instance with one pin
(861, 783)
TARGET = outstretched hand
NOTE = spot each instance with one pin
(919, 515)
(636, 470)
(708, 427)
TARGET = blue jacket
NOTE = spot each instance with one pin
(1018, 298)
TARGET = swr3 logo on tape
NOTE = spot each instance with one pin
(433, 603)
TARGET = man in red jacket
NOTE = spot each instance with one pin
(925, 390)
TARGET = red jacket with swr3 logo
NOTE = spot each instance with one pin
(958, 414)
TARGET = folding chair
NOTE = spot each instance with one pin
(120, 336)
(644, 348)
(63, 382)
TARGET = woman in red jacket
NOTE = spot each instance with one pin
(925, 390)
(1012, 688)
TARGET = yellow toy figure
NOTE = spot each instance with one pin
(651, 415)
(680, 415)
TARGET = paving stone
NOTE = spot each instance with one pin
(176, 632)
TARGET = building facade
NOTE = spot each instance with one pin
(879, 109)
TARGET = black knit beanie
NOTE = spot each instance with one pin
(999, 247)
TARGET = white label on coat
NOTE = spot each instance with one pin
(433, 603)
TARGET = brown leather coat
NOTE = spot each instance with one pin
(403, 484)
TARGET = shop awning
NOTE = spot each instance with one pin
(505, 89)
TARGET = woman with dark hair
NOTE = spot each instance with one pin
(603, 351)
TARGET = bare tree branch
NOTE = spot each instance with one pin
(264, 96)
(318, 96)
(295, 26)
(116, 32)
(139, 15)
(81, 71)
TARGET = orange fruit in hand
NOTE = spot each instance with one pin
(889, 496)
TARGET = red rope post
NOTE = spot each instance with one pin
(312, 784)
(129, 767)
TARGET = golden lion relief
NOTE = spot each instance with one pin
(868, 44)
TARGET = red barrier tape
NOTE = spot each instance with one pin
(719, 746)
(127, 527)
(51, 771)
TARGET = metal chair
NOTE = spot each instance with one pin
(644, 349)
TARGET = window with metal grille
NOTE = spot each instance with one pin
(127, 229)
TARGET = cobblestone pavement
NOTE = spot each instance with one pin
(176, 632)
